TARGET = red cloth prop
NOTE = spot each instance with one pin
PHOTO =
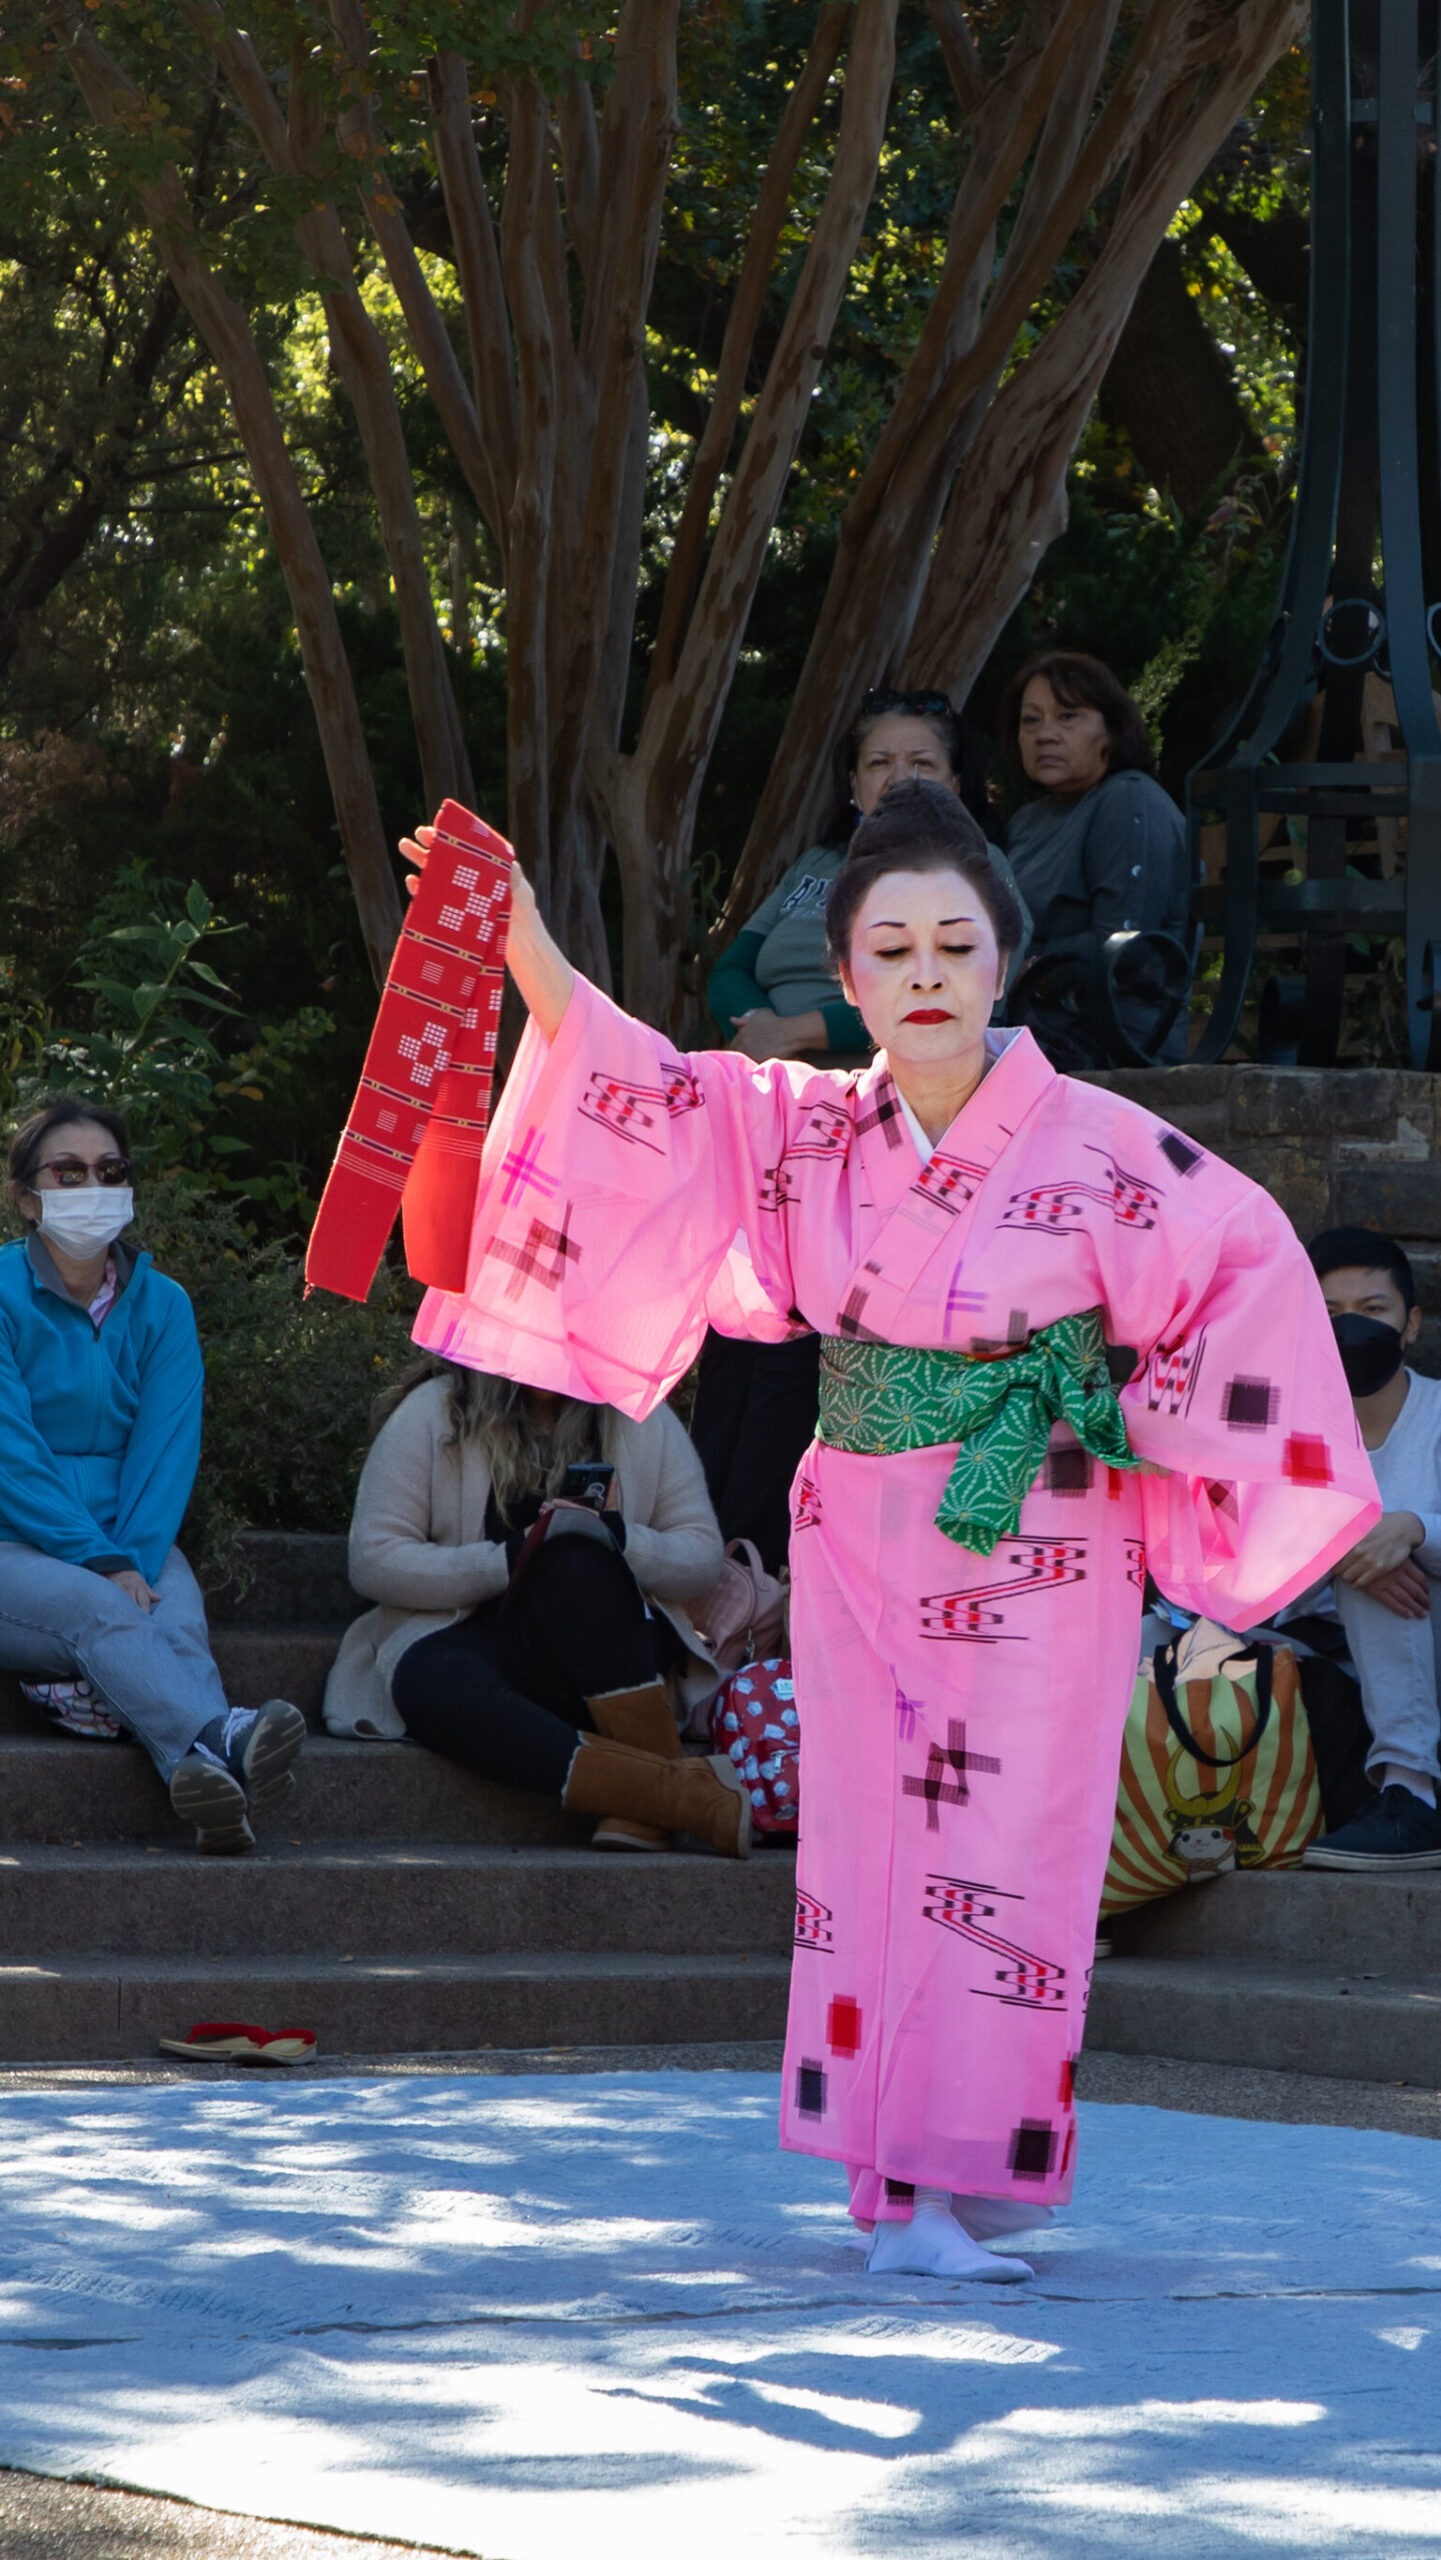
(417, 1124)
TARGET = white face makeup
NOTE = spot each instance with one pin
(925, 968)
(899, 747)
(1065, 746)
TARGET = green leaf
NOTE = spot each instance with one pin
(122, 1000)
(197, 905)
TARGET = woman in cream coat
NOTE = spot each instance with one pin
(541, 1644)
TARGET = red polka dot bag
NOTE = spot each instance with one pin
(754, 1721)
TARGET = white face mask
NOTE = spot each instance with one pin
(85, 1221)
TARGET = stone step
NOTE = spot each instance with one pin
(73, 2009)
(1345, 2026)
(1383, 1924)
(397, 1898)
(58, 1789)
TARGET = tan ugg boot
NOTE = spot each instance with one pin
(703, 1796)
(644, 1719)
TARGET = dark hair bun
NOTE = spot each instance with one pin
(918, 826)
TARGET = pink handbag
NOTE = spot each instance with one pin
(743, 1615)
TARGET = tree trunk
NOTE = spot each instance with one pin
(46, 553)
(363, 363)
(1170, 391)
(1004, 454)
(1073, 154)
(222, 324)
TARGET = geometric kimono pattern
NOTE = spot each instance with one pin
(961, 1715)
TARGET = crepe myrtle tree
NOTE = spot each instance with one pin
(539, 149)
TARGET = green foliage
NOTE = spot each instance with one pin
(158, 658)
(152, 1047)
(289, 1379)
(1179, 608)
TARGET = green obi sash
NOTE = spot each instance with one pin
(880, 1398)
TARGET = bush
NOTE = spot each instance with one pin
(158, 1013)
(289, 1379)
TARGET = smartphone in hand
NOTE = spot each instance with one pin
(589, 1482)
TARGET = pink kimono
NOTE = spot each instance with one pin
(960, 1715)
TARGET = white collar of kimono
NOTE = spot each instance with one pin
(997, 1040)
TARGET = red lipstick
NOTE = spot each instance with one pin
(928, 1013)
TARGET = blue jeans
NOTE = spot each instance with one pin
(155, 1670)
(1396, 1663)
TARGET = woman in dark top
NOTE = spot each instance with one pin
(1102, 849)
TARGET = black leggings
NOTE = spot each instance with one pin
(504, 1690)
(753, 1419)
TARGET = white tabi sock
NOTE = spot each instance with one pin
(1411, 1780)
(999, 2217)
(932, 2243)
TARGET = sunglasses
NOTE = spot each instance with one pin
(72, 1172)
(922, 705)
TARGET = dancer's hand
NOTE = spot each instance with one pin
(542, 973)
(416, 849)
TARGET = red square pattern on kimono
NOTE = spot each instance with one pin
(417, 1125)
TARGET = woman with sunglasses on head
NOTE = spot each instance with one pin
(100, 1400)
(776, 994)
(774, 991)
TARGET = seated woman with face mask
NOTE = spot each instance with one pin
(100, 1397)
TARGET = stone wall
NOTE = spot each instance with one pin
(1335, 1148)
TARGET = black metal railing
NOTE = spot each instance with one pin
(1364, 557)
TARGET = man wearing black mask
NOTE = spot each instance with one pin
(1387, 1591)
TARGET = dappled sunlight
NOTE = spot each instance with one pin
(484, 2312)
(870, 2417)
(1162, 2418)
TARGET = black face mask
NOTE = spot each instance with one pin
(1370, 1352)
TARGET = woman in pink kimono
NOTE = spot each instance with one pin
(989, 1252)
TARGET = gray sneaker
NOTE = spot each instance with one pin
(204, 1792)
(238, 1761)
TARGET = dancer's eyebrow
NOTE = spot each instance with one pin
(898, 924)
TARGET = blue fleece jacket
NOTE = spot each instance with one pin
(99, 1425)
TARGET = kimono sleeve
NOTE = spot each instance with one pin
(621, 1205)
(1243, 1400)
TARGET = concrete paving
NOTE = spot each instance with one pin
(44, 2519)
(527, 2316)
(65, 2520)
(1107, 2079)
